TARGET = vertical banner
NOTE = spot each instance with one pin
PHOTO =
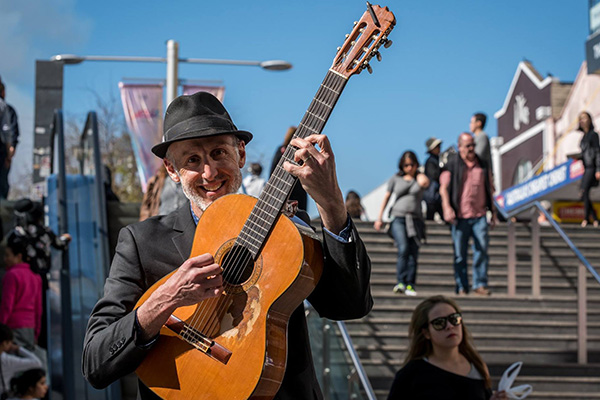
(217, 91)
(143, 106)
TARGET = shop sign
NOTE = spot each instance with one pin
(570, 211)
(540, 185)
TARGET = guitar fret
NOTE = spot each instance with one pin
(327, 87)
(281, 190)
(254, 230)
(316, 116)
(261, 218)
(273, 196)
(322, 102)
(309, 128)
(282, 180)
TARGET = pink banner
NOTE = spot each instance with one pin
(217, 91)
(143, 106)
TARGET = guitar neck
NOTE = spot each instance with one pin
(279, 186)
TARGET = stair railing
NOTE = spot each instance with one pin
(583, 268)
(342, 375)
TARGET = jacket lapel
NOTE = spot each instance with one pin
(185, 229)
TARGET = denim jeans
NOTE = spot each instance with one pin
(408, 252)
(461, 232)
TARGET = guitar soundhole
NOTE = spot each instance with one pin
(238, 265)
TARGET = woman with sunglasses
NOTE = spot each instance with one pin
(407, 227)
(442, 362)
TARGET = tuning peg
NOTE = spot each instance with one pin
(347, 35)
(369, 69)
(355, 22)
(378, 55)
(339, 48)
(387, 43)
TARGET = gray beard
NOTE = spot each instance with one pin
(201, 202)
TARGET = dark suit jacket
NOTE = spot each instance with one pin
(150, 249)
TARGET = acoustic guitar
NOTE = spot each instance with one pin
(234, 346)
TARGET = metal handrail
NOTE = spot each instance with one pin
(567, 240)
(362, 375)
(358, 367)
(556, 227)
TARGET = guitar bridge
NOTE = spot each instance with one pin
(198, 340)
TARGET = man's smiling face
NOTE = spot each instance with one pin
(207, 168)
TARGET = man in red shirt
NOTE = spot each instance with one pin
(466, 190)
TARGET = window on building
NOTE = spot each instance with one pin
(523, 171)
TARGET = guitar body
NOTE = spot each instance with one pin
(249, 321)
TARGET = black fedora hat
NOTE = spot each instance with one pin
(196, 116)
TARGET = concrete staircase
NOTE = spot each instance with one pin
(541, 332)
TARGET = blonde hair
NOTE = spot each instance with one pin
(420, 346)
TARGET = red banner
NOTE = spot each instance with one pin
(143, 106)
(217, 91)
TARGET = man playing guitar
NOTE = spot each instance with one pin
(204, 151)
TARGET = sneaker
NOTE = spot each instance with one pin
(410, 290)
(399, 288)
(482, 291)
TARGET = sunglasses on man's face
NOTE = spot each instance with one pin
(440, 323)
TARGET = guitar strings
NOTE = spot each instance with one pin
(237, 262)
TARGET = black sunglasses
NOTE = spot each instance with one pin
(440, 323)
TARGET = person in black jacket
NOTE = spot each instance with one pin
(9, 137)
(442, 362)
(590, 152)
(432, 171)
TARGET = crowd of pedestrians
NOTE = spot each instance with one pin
(458, 192)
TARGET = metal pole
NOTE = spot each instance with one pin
(535, 255)
(581, 314)
(326, 361)
(512, 260)
(65, 275)
(172, 70)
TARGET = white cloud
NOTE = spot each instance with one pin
(30, 30)
(29, 27)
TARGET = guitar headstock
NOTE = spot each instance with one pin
(362, 44)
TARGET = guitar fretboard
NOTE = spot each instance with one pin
(278, 188)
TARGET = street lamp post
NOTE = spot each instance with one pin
(173, 61)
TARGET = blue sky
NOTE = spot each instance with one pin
(449, 59)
